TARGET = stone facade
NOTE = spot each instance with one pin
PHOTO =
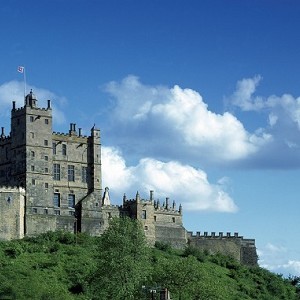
(52, 181)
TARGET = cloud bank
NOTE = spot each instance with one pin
(176, 124)
(176, 121)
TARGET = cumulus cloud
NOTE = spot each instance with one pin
(282, 123)
(179, 117)
(243, 96)
(181, 183)
(285, 108)
(14, 91)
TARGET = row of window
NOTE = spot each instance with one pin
(56, 211)
(63, 148)
(144, 216)
(71, 173)
(57, 200)
(32, 119)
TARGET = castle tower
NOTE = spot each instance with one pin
(31, 160)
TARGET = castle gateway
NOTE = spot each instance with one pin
(52, 181)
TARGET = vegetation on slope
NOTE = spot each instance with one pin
(119, 265)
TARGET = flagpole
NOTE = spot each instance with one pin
(24, 73)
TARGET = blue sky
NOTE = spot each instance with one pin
(197, 100)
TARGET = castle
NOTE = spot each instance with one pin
(52, 181)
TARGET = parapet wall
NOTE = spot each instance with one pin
(233, 245)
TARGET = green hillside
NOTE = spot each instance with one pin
(119, 265)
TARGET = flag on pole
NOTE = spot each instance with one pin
(20, 69)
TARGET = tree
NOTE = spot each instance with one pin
(123, 261)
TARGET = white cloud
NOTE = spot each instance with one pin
(279, 108)
(14, 91)
(181, 183)
(243, 96)
(277, 259)
(181, 117)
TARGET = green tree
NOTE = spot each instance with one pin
(179, 275)
(123, 261)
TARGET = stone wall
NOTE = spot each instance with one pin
(12, 210)
(235, 246)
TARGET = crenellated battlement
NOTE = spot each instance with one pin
(63, 134)
(213, 234)
(5, 139)
(11, 189)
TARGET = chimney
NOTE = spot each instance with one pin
(49, 104)
(79, 131)
(14, 105)
(151, 195)
(2, 132)
(167, 203)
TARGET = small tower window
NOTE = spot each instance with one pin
(56, 171)
(31, 119)
(56, 199)
(54, 148)
(144, 214)
(71, 200)
(45, 142)
(64, 149)
(46, 121)
(71, 173)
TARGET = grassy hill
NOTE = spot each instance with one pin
(120, 265)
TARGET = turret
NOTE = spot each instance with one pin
(30, 100)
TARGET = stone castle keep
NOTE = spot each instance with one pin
(52, 181)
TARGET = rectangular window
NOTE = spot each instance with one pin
(56, 171)
(32, 168)
(46, 121)
(84, 174)
(46, 211)
(71, 173)
(46, 185)
(45, 142)
(46, 157)
(31, 118)
(32, 153)
(32, 135)
(57, 212)
(64, 149)
(56, 199)
(144, 214)
(71, 200)
(33, 181)
(173, 219)
(46, 170)
(54, 148)
(34, 210)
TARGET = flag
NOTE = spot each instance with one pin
(20, 69)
